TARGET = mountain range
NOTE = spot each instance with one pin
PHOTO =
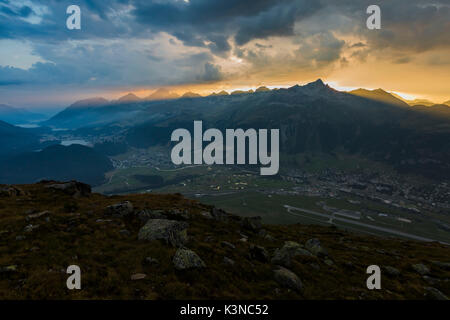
(311, 118)
(18, 115)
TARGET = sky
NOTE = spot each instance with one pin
(211, 45)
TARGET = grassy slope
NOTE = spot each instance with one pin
(108, 258)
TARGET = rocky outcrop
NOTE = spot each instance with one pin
(314, 246)
(219, 215)
(258, 253)
(252, 223)
(121, 209)
(73, 188)
(170, 231)
(11, 191)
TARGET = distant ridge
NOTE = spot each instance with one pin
(130, 97)
(191, 95)
(91, 102)
(162, 94)
(262, 89)
(18, 115)
(379, 95)
(221, 93)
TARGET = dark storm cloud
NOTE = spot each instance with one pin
(216, 21)
(217, 27)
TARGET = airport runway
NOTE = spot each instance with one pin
(362, 224)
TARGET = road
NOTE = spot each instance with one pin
(361, 224)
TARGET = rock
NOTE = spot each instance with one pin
(11, 191)
(138, 276)
(37, 215)
(268, 237)
(173, 232)
(209, 239)
(435, 294)
(8, 269)
(315, 266)
(120, 209)
(125, 232)
(206, 215)
(290, 249)
(227, 244)
(20, 238)
(421, 269)
(442, 265)
(228, 261)
(392, 271)
(219, 214)
(262, 233)
(147, 214)
(30, 227)
(288, 279)
(314, 246)
(243, 239)
(430, 280)
(329, 262)
(259, 253)
(73, 188)
(184, 215)
(187, 259)
(349, 264)
(150, 260)
(252, 223)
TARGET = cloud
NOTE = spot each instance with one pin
(155, 42)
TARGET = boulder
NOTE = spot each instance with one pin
(121, 209)
(288, 279)
(73, 188)
(138, 276)
(147, 214)
(252, 223)
(187, 259)
(37, 215)
(206, 215)
(8, 269)
(283, 256)
(229, 262)
(219, 214)
(170, 231)
(421, 269)
(314, 246)
(392, 271)
(258, 253)
(228, 245)
(151, 261)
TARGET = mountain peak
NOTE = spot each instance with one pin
(191, 95)
(162, 94)
(262, 89)
(318, 82)
(130, 97)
